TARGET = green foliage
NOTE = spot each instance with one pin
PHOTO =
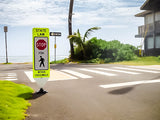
(79, 41)
(109, 51)
(12, 100)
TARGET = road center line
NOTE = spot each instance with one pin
(130, 83)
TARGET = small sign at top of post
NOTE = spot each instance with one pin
(5, 29)
(55, 33)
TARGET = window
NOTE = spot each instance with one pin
(150, 42)
(157, 41)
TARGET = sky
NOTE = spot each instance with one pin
(115, 17)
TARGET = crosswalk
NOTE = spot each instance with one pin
(8, 76)
(88, 73)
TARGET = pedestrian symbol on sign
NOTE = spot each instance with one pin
(41, 61)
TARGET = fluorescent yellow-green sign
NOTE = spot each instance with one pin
(41, 64)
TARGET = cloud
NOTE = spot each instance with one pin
(110, 13)
(115, 26)
(32, 12)
(55, 12)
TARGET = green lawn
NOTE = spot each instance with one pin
(65, 60)
(13, 103)
(150, 60)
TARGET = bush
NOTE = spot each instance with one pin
(105, 51)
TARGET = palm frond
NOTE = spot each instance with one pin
(88, 32)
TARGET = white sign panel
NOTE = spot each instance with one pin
(41, 53)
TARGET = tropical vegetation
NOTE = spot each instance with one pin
(110, 51)
(79, 41)
(98, 49)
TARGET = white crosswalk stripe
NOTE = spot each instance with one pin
(121, 71)
(8, 76)
(98, 72)
(140, 70)
(149, 68)
(77, 74)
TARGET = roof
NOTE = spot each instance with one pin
(144, 13)
(151, 5)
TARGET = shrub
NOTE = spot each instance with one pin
(106, 51)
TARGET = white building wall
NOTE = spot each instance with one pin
(157, 16)
(149, 19)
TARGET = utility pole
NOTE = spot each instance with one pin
(6, 30)
(70, 26)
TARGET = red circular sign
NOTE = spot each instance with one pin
(41, 44)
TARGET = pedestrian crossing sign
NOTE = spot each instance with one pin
(41, 65)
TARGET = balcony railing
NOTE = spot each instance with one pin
(148, 29)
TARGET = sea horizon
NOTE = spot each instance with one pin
(26, 59)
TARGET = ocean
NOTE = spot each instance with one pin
(25, 59)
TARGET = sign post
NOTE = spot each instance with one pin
(41, 64)
(55, 46)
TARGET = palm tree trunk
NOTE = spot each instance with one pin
(70, 27)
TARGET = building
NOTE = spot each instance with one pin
(150, 31)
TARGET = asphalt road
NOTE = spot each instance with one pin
(92, 92)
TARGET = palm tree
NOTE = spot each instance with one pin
(70, 26)
(80, 41)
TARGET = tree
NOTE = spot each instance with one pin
(70, 27)
(80, 41)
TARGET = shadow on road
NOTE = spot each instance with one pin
(121, 91)
(36, 95)
(31, 96)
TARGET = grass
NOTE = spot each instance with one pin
(60, 61)
(7, 63)
(66, 60)
(13, 103)
(149, 60)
